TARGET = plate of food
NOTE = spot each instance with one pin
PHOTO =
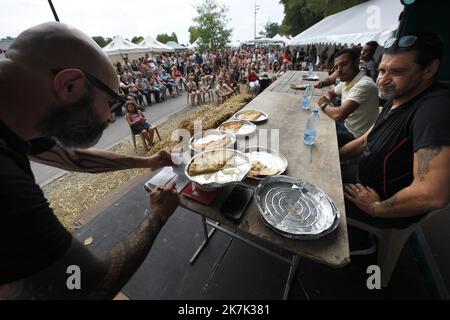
(212, 139)
(299, 86)
(251, 115)
(265, 162)
(217, 168)
(238, 127)
(314, 77)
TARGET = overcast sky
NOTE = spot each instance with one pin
(134, 17)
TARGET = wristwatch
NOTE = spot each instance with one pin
(323, 106)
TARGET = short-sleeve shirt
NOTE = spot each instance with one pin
(31, 237)
(387, 162)
(363, 91)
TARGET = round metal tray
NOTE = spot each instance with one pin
(268, 157)
(263, 117)
(225, 177)
(295, 208)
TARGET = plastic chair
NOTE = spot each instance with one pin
(144, 142)
(391, 242)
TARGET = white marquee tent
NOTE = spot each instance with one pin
(176, 46)
(279, 38)
(194, 45)
(152, 45)
(120, 47)
(372, 20)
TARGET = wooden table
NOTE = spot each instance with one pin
(289, 77)
(318, 164)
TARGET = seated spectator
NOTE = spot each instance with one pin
(404, 167)
(137, 121)
(194, 90)
(253, 82)
(359, 96)
(223, 90)
(130, 89)
(162, 87)
(177, 76)
(144, 87)
(168, 82)
(367, 62)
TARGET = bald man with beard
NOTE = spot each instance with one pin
(71, 90)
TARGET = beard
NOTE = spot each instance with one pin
(74, 125)
(386, 92)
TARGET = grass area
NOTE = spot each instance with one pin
(75, 192)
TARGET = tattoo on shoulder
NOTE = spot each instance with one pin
(389, 203)
(424, 156)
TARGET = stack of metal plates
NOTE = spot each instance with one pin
(296, 208)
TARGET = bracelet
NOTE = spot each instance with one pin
(372, 210)
(323, 106)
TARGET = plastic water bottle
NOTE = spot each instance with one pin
(312, 125)
(307, 97)
(310, 69)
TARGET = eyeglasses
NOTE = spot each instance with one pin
(118, 100)
(403, 42)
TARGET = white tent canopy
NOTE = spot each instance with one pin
(120, 45)
(279, 38)
(152, 45)
(194, 45)
(175, 45)
(373, 20)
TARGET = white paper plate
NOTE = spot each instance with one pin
(267, 157)
(263, 117)
(247, 129)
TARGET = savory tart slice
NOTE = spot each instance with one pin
(233, 126)
(259, 169)
(211, 162)
(250, 115)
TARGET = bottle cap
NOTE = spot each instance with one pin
(315, 110)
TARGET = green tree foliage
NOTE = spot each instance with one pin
(164, 37)
(299, 15)
(193, 34)
(210, 26)
(102, 42)
(137, 39)
(271, 29)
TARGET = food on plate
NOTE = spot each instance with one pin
(233, 126)
(298, 86)
(250, 115)
(211, 162)
(259, 169)
(212, 142)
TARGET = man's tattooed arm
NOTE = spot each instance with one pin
(424, 157)
(90, 160)
(100, 278)
(429, 190)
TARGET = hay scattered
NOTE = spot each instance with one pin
(75, 192)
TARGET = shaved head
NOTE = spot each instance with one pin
(59, 63)
(57, 45)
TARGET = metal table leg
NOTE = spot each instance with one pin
(294, 264)
(205, 241)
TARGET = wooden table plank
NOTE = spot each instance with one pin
(318, 164)
(283, 83)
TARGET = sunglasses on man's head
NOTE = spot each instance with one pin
(118, 100)
(403, 42)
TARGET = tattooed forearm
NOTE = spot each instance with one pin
(75, 160)
(389, 203)
(424, 156)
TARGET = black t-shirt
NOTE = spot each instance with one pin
(31, 237)
(387, 162)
